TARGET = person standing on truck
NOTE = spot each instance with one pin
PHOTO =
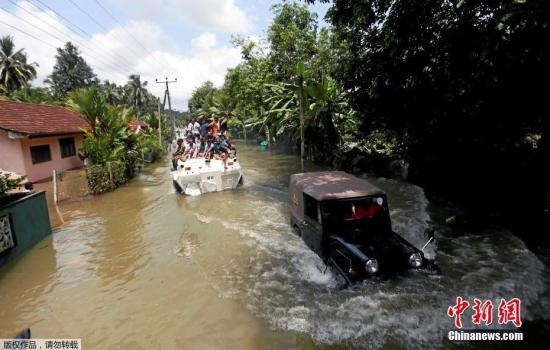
(195, 129)
(214, 126)
(205, 129)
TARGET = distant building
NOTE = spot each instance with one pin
(35, 139)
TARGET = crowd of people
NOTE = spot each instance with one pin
(208, 140)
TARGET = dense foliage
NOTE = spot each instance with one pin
(110, 145)
(462, 83)
(456, 89)
(106, 177)
(260, 96)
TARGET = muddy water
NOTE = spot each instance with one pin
(143, 267)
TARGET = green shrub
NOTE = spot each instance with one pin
(150, 145)
(118, 170)
(7, 184)
(99, 179)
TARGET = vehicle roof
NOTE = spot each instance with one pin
(326, 185)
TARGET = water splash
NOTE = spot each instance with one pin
(284, 281)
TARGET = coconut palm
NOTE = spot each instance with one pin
(225, 107)
(15, 72)
(137, 92)
(38, 95)
(111, 92)
(90, 104)
(327, 114)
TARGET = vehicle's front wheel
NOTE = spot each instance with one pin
(297, 230)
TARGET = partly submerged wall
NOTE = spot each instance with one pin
(24, 222)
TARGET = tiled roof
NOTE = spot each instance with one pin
(37, 119)
(136, 125)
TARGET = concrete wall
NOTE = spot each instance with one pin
(42, 171)
(29, 221)
(11, 154)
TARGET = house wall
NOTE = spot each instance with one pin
(42, 171)
(11, 155)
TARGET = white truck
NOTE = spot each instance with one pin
(196, 176)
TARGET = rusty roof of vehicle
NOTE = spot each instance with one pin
(326, 185)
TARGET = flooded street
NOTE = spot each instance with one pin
(143, 267)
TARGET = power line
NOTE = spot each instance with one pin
(120, 24)
(24, 32)
(127, 31)
(96, 22)
(49, 8)
(122, 58)
(43, 41)
(167, 95)
(98, 58)
(41, 30)
(34, 37)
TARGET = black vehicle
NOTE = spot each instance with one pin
(346, 221)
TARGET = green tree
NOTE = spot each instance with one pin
(462, 83)
(292, 38)
(15, 72)
(137, 93)
(35, 95)
(70, 72)
(245, 85)
(113, 93)
(201, 95)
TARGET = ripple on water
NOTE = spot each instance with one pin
(284, 281)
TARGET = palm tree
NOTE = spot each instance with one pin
(38, 95)
(15, 72)
(111, 92)
(325, 117)
(138, 92)
(90, 104)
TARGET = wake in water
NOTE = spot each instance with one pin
(284, 282)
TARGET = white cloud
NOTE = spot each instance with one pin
(207, 15)
(115, 54)
(205, 41)
(218, 14)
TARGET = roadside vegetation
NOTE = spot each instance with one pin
(111, 150)
(453, 93)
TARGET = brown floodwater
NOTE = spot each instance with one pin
(143, 267)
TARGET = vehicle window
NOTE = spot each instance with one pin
(359, 209)
(312, 209)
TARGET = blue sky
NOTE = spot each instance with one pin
(186, 39)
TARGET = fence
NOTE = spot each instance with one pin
(70, 185)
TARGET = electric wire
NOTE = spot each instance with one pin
(96, 22)
(97, 58)
(122, 58)
(45, 42)
(129, 33)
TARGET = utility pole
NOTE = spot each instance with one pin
(160, 122)
(300, 70)
(167, 96)
(302, 141)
